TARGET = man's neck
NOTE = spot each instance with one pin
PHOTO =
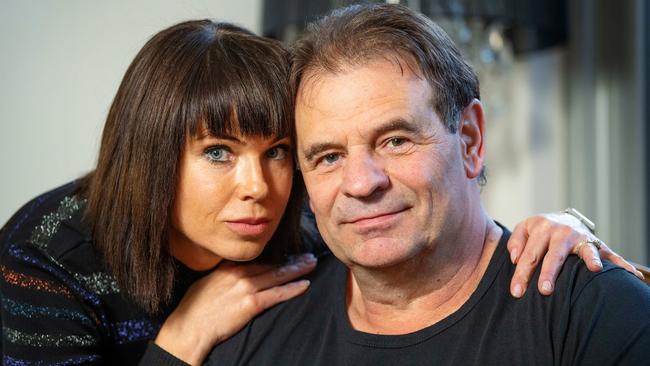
(419, 293)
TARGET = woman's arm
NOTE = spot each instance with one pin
(43, 318)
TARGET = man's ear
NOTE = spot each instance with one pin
(471, 129)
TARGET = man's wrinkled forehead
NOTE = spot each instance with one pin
(313, 76)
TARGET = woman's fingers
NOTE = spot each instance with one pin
(517, 241)
(532, 253)
(263, 300)
(608, 254)
(302, 265)
(559, 249)
(589, 254)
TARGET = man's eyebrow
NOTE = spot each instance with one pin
(398, 124)
(316, 149)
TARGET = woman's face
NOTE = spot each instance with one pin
(231, 194)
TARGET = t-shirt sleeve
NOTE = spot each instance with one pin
(610, 321)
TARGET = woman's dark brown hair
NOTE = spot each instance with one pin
(192, 75)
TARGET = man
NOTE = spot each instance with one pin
(390, 143)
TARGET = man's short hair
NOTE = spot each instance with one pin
(354, 35)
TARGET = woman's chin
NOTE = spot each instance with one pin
(246, 252)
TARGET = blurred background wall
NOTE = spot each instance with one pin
(564, 84)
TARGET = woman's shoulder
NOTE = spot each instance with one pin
(45, 207)
(50, 232)
(57, 296)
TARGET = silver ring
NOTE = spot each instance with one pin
(597, 243)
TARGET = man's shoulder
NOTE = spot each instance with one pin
(578, 281)
(298, 322)
(612, 287)
(327, 281)
(608, 315)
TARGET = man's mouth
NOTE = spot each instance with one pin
(375, 221)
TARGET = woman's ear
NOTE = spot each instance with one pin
(471, 129)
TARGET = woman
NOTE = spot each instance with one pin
(194, 173)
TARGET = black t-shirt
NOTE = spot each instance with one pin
(591, 319)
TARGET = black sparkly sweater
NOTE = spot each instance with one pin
(59, 305)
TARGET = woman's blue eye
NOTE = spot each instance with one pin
(278, 153)
(218, 154)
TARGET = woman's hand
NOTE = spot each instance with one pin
(554, 237)
(220, 304)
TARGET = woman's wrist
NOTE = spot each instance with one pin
(185, 344)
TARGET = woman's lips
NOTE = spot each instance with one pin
(249, 227)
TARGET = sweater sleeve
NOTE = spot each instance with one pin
(154, 355)
(44, 317)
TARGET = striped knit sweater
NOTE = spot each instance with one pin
(59, 306)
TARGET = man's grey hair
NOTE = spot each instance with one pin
(354, 35)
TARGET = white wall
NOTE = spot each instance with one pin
(526, 139)
(60, 65)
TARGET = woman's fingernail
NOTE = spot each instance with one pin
(513, 255)
(287, 269)
(546, 286)
(301, 283)
(310, 258)
(517, 291)
(307, 263)
(597, 262)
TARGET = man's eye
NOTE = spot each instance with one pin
(217, 154)
(396, 141)
(278, 152)
(331, 158)
(397, 145)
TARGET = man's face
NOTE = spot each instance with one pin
(385, 177)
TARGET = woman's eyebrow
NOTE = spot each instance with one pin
(208, 135)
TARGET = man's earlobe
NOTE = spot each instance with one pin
(472, 132)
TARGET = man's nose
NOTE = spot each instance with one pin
(252, 184)
(364, 174)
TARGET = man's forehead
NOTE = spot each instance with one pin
(402, 62)
(360, 104)
(375, 87)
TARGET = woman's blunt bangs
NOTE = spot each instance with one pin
(240, 85)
